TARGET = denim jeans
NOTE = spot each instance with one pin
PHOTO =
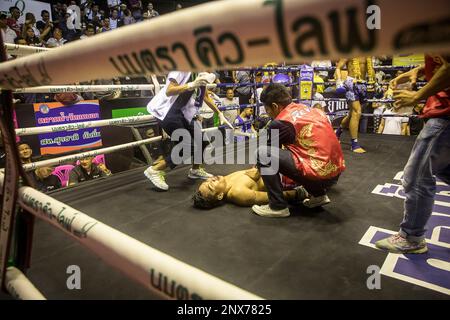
(429, 157)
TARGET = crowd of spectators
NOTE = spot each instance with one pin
(72, 21)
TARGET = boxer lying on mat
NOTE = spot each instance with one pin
(243, 188)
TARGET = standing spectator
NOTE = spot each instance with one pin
(151, 13)
(128, 18)
(136, 9)
(245, 92)
(93, 12)
(7, 33)
(57, 40)
(230, 101)
(123, 7)
(68, 27)
(393, 125)
(230, 115)
(206, 113)
(430, 156)
(58, 14)
(44, 24)
(13, 22)
(114, 21)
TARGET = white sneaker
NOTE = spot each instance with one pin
(314, 202)
(157, 178)
(199, 173)
(266, 211)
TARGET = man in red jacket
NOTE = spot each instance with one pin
(311, 153)
(430, 155)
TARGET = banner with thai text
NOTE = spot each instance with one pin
(54, 113)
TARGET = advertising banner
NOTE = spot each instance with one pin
(53, 113)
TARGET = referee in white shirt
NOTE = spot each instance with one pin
(176, 107)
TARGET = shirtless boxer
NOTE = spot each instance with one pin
(243, 188)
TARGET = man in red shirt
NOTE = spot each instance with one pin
(311, 153)
(430, 155)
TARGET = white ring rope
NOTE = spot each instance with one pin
(94, 88)
(83, 125)
(79, 156)
(18, 285)
(93, 153)
(135, 259)
(21, 50)
(205, 38)
(86, 88)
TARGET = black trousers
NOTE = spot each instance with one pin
(175, 120)
(268, 156)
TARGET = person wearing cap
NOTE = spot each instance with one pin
(177, 106)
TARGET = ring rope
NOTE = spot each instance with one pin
(93, 88)
(83, 125)
(85, 88)
(21, 50)
(126, 121)
(19, 286)
(298, 68)
(162, 48)
(93, 153)
(135, 259)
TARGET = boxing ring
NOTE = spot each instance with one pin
(157, 52)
